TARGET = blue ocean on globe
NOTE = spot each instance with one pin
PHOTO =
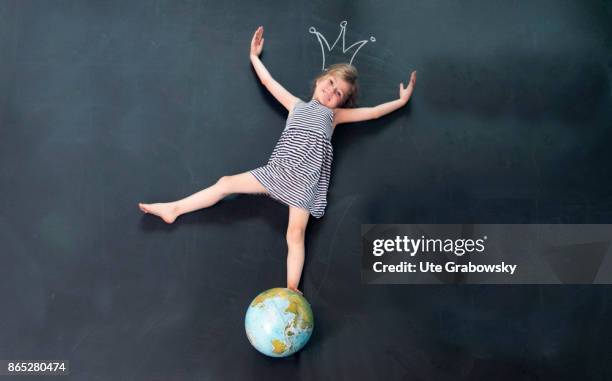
(279, 322)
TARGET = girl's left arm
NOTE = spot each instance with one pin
(347, 115)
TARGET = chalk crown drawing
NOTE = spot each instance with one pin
(324, 44)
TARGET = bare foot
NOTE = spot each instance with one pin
(166, 210)
(296, 290)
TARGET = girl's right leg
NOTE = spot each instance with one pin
(226, 185)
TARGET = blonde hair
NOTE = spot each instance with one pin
(347, 73)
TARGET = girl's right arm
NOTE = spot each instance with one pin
(276, 89)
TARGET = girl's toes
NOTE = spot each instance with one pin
(296, 290)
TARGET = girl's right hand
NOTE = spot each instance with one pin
(257, 42)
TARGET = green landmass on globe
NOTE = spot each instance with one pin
(288, 330)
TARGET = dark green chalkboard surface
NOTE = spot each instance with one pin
(104, 104)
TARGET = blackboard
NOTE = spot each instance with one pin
(104, 104)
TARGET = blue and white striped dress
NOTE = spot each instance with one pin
(298, 171)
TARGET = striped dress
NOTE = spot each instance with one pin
(298, 171)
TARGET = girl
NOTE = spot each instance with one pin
(297, 173)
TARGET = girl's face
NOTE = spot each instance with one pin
(331, 91)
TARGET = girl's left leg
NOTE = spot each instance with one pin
(296, 232)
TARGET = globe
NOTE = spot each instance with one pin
(279, 322)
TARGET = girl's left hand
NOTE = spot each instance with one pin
(406, 93)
